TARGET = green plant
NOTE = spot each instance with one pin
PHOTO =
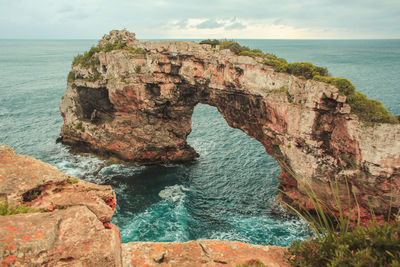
(306, 69)
(79, 126)
(368, 109)
(72, 180)
(138, 69)
(71, 76)
(213, 43)
(375, 245)
(6, 209)
(57, 190)
(335, 242)
(345, 86)
(252, 263)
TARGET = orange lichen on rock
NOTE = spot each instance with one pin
(200, 253)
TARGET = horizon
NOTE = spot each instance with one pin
(214, 19)
(193, 39)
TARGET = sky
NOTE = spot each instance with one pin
(188, 19)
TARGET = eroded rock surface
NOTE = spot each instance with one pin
(136, 104)
(70, 227)
(200, 253)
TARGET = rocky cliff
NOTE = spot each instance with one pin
(134, 99)
(51, 219)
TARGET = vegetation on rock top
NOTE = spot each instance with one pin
(369, 110)
(375, 245)
(90, 59)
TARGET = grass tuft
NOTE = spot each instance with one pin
(7, 210)
(336, 243)
(72, 180)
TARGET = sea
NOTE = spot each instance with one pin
(230, 191)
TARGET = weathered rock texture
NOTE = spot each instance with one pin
(200, 253)
(72, 228)
(139, 109)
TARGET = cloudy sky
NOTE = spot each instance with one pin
(256, 19)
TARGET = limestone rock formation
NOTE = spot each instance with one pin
(71, 224)
(200, 253)
(134, 100)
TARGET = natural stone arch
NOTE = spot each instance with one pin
(140, 105)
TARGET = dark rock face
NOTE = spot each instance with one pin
(152, 89)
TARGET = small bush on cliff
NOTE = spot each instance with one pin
(336, 243)
(252, 263)
(213, 43)
(368, 110)
(72, 180)
(79, 126)
(88, 59)
(306, 69)
(71, 76)
(375, 245)
(6, 210)
(345, 86)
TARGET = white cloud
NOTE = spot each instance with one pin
(233, 29)
(205, 19)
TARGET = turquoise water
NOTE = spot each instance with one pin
(229, 192)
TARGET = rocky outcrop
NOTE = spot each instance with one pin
(201, 253)
(69, 224)
(134, 100)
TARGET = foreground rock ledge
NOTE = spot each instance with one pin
(200, 253)
(72, 227)
(136, 104)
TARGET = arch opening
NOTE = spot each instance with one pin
(229, 192)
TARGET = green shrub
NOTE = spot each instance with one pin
(375, 245)
(368, 109)
(279, 64)
(306, 69)
(338, 244)
(119, 44)
(79, 126)
(252, 263)
(233, 46)
(72, 180)
(138, 69)
(137, 51)
(345, 86)
(88, 59)
(6, 210)
(213, 43)
(57, 190)
(71, 76)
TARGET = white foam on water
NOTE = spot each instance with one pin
(173, 193)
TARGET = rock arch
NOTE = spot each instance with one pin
(143, 96)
